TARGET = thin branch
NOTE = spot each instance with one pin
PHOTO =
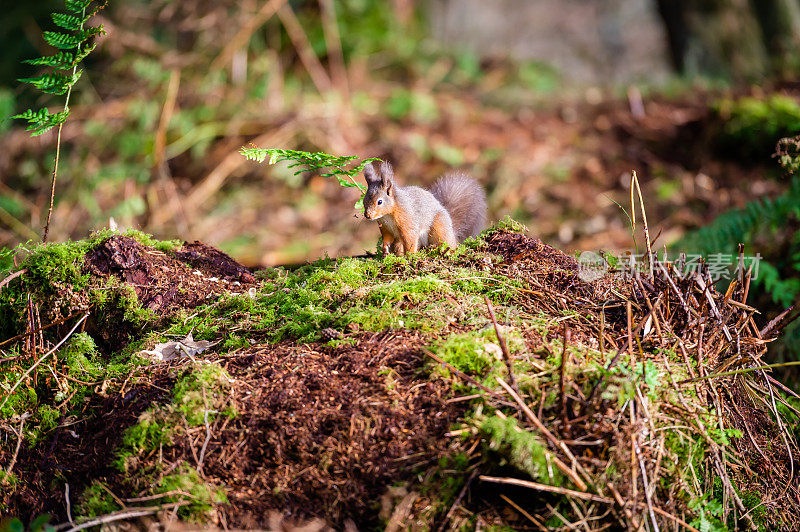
(53, 350)
(16, 450)
(307, 56)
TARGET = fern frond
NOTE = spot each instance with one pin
(53, 83)
(42, 121)
(68, 22)
(761, 217)
(62, 41)
(59, 61)
(91, 32)
(80, 56)
(76, 6)
(311, 162)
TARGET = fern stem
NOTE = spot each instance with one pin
(58, 143)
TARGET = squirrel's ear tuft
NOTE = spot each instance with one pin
(370, 174)
(387, 174)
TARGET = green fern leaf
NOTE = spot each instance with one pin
(49, 82)
(91, 32)
(313, 161)
(30, 114)
(68, 22)
(53, 83)
(42, 121)
(83, 53)
(63, 41)
(76, 6)
(59, 61)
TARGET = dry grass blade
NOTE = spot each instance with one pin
(503, 346)
(551, 489)
(580, 483)
(650, 256)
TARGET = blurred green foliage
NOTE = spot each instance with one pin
(753, 125)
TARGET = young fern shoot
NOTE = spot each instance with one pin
(337, 165)
(74, 41)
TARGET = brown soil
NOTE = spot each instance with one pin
(324, 431)
(80, 449)
(320, 431)
(184, 278)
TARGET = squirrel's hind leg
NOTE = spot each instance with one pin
(442, 231)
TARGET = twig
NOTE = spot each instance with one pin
(208, 434)
(550, 436)
(578, 495)
(463, 375)
(776, 322)
(16, 450)
(53, 350)
(562, 380)
(40, 329)
(740, 371)
(551, 489)
(646, 485)
(123, 514)
(68, 504)
(12, 277)
(458, 500)
(333, 43)
(503, 346)
(304, 49)
(521, 510)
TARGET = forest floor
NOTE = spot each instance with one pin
(382, 392)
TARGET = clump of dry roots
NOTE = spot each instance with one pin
(681, 429)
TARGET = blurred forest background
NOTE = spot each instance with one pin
(549, 103)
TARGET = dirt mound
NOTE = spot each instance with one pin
(163, 281)
(79, 449)
(320, 432)
(571, 383)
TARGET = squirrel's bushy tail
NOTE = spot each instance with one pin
(465, 201)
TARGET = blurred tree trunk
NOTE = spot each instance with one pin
(738, 39)
(780, 25)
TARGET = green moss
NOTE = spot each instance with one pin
(520, 448)
(203, 389)
(203, 496)
(23, 398)
(96, 500)
(506, 224)
(478, 352)
(8, 480)
(152, 431)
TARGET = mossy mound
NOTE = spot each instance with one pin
(376, 390)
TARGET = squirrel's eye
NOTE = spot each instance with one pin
(380, 202)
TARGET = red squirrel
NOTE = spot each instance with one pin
(411, 218)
